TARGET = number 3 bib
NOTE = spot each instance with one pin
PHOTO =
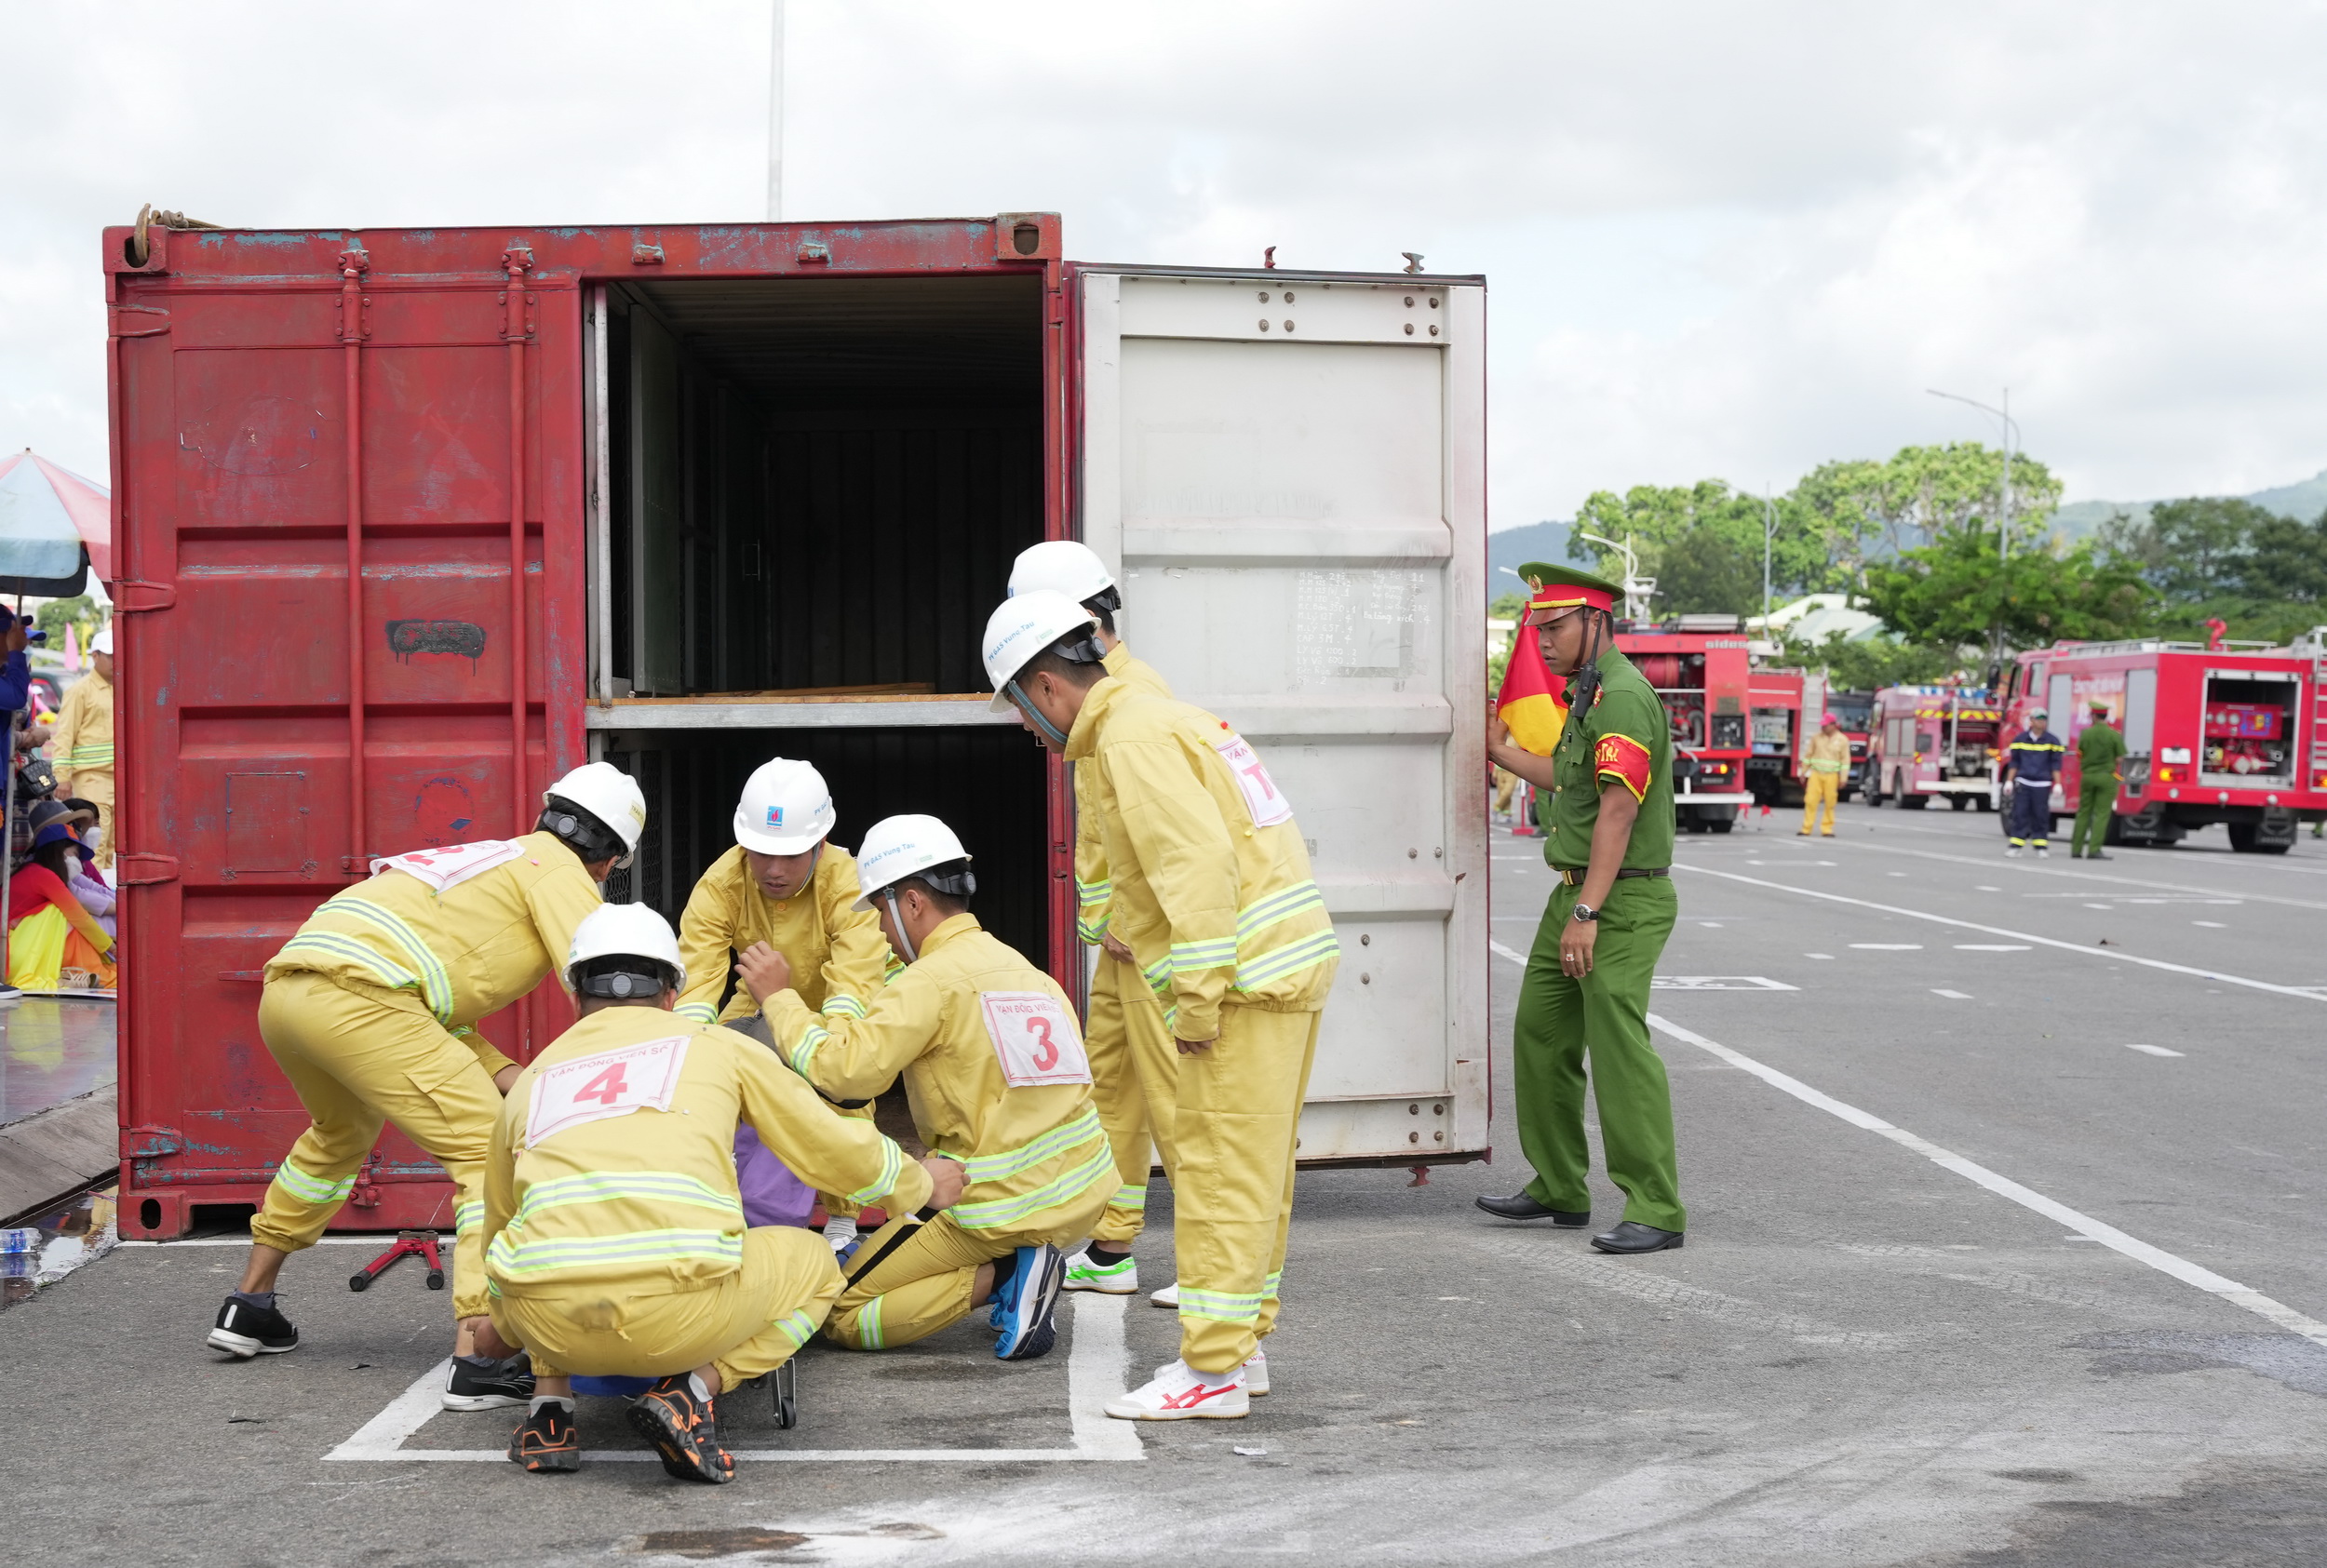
(608, 1084)
(1034, 1039)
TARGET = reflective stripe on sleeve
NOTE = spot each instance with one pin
(805, 1051)
(892, 1166)
(1093, 892)
(843, 1006)
(699, 1012)
(1213, 953)
(1261, 914)
(1288, 959)
(467, 1216)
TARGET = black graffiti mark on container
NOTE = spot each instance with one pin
(463, 638)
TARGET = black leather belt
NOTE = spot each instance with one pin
(1573, 877)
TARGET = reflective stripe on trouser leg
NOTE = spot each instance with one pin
(743, 1323)
(1239, 1115)
(2031, 820)
(358, 1057)
(1121, 1004)
(1605, 1014)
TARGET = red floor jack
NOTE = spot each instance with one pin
(408, 1243)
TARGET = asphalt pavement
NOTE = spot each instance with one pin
(2004, 1181)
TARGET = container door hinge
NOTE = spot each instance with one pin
(517, 261)
(139, 321)
(132, 598)
(150, 1143)
(145, 870)
(355, 306)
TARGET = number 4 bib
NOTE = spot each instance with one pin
(608, 1084)
(1035, 1039)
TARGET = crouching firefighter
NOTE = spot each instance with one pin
(371, 1012)
(995, 1070)
(616, 1243)
(783, 886)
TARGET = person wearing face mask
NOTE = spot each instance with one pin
(783, 888)
(1608, 833)
(1212, 893)
(369, 1010)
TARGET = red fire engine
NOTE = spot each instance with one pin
(1787, 706)
(1933, 740)
(1856, 710)
(2235, 734)
(1698, 664)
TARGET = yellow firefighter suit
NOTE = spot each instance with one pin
(1134, 1063)
(1826, 760)
(838, 955)
(1036, 1162)
(614, 1235)
(82, 745)
(369, 1012)
(1212, 893)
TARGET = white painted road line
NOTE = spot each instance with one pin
(2026, 870)
(1096, 1362)
(2085, 1226)
(2109, 953)
(1951, 996)
(1887, 947)
(1993, 947)
(2154, 1050)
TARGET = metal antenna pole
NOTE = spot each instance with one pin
(776, 113)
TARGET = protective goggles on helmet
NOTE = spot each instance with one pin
(581, 833)
(649, 978)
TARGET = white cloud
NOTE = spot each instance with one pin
(1722, 240)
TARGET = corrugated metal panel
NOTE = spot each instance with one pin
(986, 783)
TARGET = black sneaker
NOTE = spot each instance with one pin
(545, 1442)
(684, 1432)
(481, 1383)
(244, 1331)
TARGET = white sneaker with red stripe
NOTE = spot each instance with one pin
(1181, 1393)
(1255, 1370)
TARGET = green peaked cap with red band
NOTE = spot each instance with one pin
(1563, 587)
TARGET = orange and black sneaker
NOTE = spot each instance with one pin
(681, 1423)
(546, 1444)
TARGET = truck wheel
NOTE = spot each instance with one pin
(1958, 802)
(2246, 839)
(1908, 799)
(1873, 788)
(1721, 824)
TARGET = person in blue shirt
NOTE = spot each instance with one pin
(2031, 763)
(16, 674)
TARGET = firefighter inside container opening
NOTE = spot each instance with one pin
(1134, 1069)
(2032, 761)
(1212, 896)
(1585, 994)
(783, 888)
(615, 1239)
(370, 1010)
(999, 1082)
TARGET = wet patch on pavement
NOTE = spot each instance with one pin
(2296, 1363)
(2232, 1516)
(52, 1244)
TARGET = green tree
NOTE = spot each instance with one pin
(1955, 592)
(1658, 518)
(1921, 494)
(2190, 550)
(1878, 662)
(1705, 572)
(79, 612)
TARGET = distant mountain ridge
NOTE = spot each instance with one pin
(1531, 541)
(2303, 501)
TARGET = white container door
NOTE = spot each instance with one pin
(1288, 475)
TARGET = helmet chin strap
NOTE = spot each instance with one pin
(1050, 731)
(897, 923)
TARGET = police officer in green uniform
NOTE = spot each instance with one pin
(1609, 836)
(2098, 751)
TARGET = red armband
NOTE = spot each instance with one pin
(1625, 760)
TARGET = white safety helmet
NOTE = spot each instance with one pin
(624, 930)
(1064, 565)
(895, 848)
(607, 794)
(786, 808)
(102, 642)
(1022, 626)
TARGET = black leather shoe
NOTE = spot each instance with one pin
(2095, 854)
(1519, 1206)
(1633, 1236)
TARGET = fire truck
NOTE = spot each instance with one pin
(1934, 742)
(1698, 665)
(2235, 734)
(1787, 706)
(1856, 710)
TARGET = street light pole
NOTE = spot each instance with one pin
(2012, 440)
(1768, 534)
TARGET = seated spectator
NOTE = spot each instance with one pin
(48, 930)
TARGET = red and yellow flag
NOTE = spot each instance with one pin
(1533, 701)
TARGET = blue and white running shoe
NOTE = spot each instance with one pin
(1025, 1302)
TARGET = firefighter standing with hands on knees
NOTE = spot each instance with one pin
(1827, 760)
(783, 888)
(2031, 763)
(1134, 1067)
(615, 1233)
(370, 1010)
(1212, 894)
(995, 1071)
(1609, 836)
(2099, 751)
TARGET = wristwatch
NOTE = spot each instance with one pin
(1583, 911)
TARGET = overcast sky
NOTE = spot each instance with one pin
(1723, 239)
